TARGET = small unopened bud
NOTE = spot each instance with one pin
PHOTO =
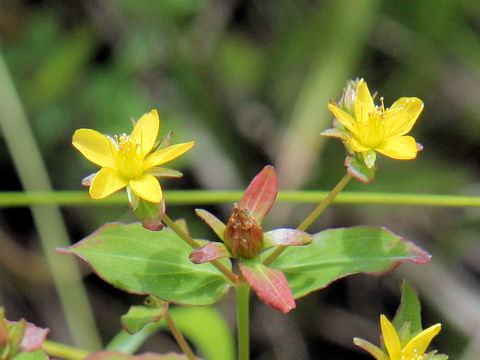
(347, 101)
(243, 235)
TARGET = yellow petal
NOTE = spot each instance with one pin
(363, 101)
(147, 187)
(402, 115)
(95, 147)
(105, 183)
(400, 147)
(390, 338)
(146, 131)
(420, 342)
(345, 118)
(357, 145)
(166, 154)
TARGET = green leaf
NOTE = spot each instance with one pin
(336, 253)
(139, 316)
(357, 168)
(139, 261)
(205, 327)
(34, 355)
(409, 311)
(112, 355)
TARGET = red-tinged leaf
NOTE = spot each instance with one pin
(336, 253)
(114, 355)
(270, 285)
(217, 226)
(209, 252)
(156, 263)
(33, 338)
(261, 193)
(286, 237)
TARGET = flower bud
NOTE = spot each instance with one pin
(347, 101)
(243, 235)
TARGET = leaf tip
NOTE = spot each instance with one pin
(62, 251)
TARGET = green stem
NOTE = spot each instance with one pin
(243, 320)
(324, 204)
(196, 197)
(31, 169)
(313, 215)
(190, 241)
(179, 338)
(178, 230)
(58, 350)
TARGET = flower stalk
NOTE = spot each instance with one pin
(62, 351)
(313, 215)
(179, 338)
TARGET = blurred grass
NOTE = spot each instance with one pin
(249, 81)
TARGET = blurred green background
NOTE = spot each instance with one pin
(249, 82)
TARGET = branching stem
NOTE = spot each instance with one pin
(190, 241)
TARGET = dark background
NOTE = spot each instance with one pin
(249, 82)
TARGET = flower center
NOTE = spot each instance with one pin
(371, 128)
(413, 356)
(129, 157)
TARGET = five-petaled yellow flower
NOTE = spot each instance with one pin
(129, 160)
(413, 350)
(379, 129)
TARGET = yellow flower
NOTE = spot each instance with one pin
(413, 350)
(129, 160)
(376, 128)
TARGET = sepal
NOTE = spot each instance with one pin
(270, 285)
(150, 214)
(260, 194)
(358, 169)
(211, 220)
(209, 252)
(285, 237)
(372, 349)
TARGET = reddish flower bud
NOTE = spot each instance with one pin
(243, 235)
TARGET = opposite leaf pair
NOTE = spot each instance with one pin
(243, 238)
